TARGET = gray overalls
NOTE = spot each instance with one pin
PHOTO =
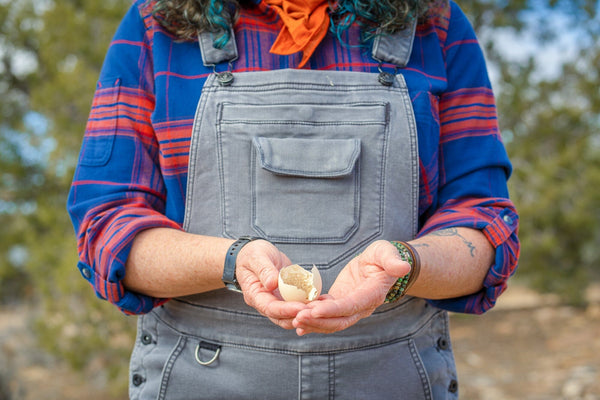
(320, 163)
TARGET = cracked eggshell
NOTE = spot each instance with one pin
(298, 284)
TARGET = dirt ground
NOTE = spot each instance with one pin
(527, 348)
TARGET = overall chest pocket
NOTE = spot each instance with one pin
(305, 189)
(303, 173)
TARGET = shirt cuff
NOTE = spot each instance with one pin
(108, 269)
(499, 223)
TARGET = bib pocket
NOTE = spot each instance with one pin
(284, 170)
(303, 174)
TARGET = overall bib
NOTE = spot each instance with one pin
(320, 163)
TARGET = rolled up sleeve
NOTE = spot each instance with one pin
(498, 220)
(118, 189)
(474, 165)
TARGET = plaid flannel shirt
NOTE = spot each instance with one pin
(132, 170)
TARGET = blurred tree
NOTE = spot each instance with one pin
(71, 49)
(550, 119)
(50, 57)
(556, 152)
(52, 53)
(20, 175)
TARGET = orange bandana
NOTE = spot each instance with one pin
(305, 23)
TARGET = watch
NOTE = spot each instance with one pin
(229, 278)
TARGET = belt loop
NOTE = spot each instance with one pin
(209, 346)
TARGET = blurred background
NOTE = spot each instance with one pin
(57, 341)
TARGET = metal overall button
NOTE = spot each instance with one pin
(386, 78)
(453, 387)
(208, 346)
(146, 338)
(225, 78)
(137, 379)
(443, 343)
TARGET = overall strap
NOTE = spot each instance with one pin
(211, 56)
(395, 48)
(387, 48)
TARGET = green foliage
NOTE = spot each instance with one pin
(20, 177)
(50, 57)
(555, 148)
(552, 128)
(94, 336)
(65, 42)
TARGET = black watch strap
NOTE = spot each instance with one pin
(229, 278)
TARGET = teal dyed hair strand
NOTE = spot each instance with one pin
(215, 18)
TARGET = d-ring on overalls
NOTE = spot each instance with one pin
(320, 163)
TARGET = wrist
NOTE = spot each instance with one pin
(402, 285)
(229, 277)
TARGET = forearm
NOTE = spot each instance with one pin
(454, 263)
(168, 263)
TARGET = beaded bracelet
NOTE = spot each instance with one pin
(410, 255)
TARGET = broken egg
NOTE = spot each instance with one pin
(298, 284)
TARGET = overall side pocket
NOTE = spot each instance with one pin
(201, 369)
(390, 371)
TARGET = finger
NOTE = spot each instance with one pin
(284, 261)
(284, 323)
(283, 309)
(330, 308)
(325, 296)
(272, 307)
(263, 260)
(385, 255)
(260, 274)
(396, 267)
(267, 273)
(358, 301)
(326, 325)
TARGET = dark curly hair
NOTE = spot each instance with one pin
(186, 18)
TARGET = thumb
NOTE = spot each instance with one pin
(397, 267)
(268, 276)
(393, 263)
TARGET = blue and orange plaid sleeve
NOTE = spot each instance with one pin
(474, 166)
(115, 195)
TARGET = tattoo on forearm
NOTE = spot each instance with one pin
(454, 232)
(420, 244)
(446, 232)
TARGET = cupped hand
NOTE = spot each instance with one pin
(358, 290)
(257, 271)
